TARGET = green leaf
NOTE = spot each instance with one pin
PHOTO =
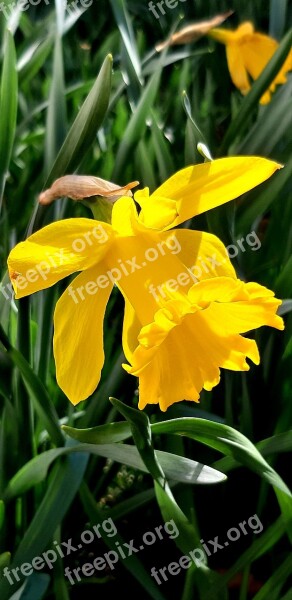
(2, 514)
(137, 124)
(144, 167)
(278, 579)
(162, 150)
(278, 10)
(287, 596)
(198, 135)
(260, 201)
(285, 308)
(176, 467)
(38, 393)
(36, 586)
(126, 30)
(56, 114)
(81, 134)
(268, 131)
(283, 283)
(188, 537)
(188, 541)
(32, 60)
(102, 434)
(5, 558)
(232, 443)
(281, 442)
(85, 126)
(227, 440)
(141, 432)
(39, 396)
(8, 109)
(64, 484)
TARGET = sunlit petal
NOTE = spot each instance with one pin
(78, 336)
(56, 251)
(199, 188)
(203, 253)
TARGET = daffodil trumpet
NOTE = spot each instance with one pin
(178, 331)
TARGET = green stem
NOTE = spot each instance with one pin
(188, 591)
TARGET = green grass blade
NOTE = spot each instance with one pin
(8, 109)
(56, 115)
(38, 393)
(86, 124)
(137, 124)
(278, 578)
(124, 24)
(60, 493)
(81, 134)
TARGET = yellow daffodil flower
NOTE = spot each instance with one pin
(184, 306)
(248, 53)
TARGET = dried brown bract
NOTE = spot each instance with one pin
(78, 187)
(193, 32)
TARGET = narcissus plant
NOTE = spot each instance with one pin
(179, 329)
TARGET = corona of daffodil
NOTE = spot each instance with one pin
(179, 329)
(248, 52)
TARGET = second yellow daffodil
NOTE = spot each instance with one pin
(248, 52)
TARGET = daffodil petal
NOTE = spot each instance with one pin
(131, 330)
(183, 349)
(78, 334)
(256, 55)
(237, 68)
(227, 36)
(176, 373)
(143, 266)
(125, 220)
(199, 188)
(203, 253)
(56, 251)
(235, 306)
(171, 376)
(258, 52)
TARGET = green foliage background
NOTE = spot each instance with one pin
(144, 125)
